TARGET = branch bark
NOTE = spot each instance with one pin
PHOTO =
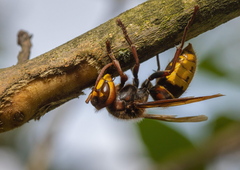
(31, 89)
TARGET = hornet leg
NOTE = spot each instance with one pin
(134, 51)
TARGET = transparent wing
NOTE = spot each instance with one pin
(174, 102)
(174, 118)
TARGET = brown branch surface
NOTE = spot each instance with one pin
(31, 89)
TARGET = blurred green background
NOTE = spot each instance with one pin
(75, 137)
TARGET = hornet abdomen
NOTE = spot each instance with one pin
(174, 85)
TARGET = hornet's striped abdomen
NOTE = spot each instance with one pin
(174, 85)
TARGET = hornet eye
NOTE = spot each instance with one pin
(105, 92)
(94, 100)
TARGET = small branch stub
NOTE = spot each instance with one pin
(24, 40)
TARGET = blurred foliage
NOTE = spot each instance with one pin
(220, 123)
(209, 65)
(161, 140)
(165, 144)
(213, 63)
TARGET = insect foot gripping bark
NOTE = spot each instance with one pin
(129, 101)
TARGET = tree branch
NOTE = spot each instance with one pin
(31, 89)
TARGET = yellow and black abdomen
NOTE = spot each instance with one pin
(174, 85)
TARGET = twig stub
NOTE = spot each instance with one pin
(24, 40)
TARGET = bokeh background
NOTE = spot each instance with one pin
(75, 137)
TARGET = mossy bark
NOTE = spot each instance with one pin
(31, 89)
